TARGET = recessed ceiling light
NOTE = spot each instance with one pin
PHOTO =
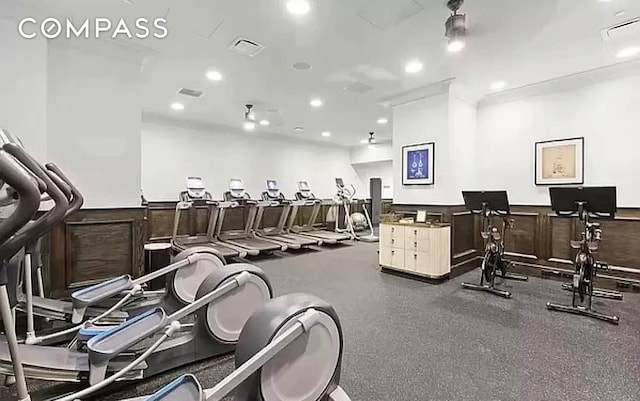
(364, 141)
(214, 76)
(298, 7)
(604, 1)
(326, 134)
(383, 120)
(413, 66)
(498, 85)
(455, 46)
(249, 125)
(620, 13)
(631, 51)
(316, 103)
(264, 123)
(177, 106)
(298, 129)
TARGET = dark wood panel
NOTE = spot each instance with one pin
(620, 244)
(92, 245)
(160, 223)
(522, 238)
(561, 232)
(462, 232)
(92, 263)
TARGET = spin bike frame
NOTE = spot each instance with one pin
(586, 269)
(493, 263)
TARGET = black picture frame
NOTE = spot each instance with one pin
(430, 146)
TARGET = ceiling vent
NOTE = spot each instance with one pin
(190, 92)
(359, 88)
(246, 47)
(622, 30)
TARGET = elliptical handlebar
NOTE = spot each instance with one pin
(77, 199)
(31, 232)
(28, 188)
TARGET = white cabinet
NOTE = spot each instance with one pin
(418, 249)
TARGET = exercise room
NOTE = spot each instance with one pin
(319, 200)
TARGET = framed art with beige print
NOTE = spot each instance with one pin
(560, 162)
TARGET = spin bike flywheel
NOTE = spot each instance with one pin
(490, 265)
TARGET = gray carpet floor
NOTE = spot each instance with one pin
(407, 340)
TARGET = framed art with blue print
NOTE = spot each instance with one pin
(418, 162)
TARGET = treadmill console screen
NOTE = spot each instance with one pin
(303, 186)
(236, 184)
(339, 182)
(272, 184)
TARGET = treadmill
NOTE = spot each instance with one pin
(273, 198)
(309, 229)
(245, 238)
(197, 195)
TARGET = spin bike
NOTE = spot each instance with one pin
(584, 203)
(490, 204)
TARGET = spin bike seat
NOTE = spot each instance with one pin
(593, 225)
(576, 244)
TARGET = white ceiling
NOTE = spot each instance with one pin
(348, 41)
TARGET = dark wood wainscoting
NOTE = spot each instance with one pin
(540, 242)
(93, 245)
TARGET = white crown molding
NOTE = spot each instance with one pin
(564, 83)
(420, 93)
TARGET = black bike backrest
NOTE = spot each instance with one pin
(31, 232)
(27, 187)
(78, 199)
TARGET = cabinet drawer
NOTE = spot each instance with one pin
(392, 236)
(410, 260)
(397, 258)
(417, 245)
(385, 256)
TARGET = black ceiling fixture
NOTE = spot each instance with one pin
(372, 138)
(456, 26)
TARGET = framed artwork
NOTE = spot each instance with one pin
(560, 162)
(418, 164)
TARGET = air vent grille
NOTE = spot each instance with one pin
(246, 47)
(625, 29)
(190, 92)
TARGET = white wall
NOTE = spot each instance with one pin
(425, 120)
(375, 153)
(23, 88)
(94, 123)
(607, 114)
(170, 153)
(463, 143)
(382, 170)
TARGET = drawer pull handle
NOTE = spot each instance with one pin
(393, 252)
(415, 244)
(393, 229)
(393, 240)
(415, 232)
(415, 256)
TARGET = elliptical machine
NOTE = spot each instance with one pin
(489, 204)
(291, 349)
(224, 301)
(345, 197)
(584, 203)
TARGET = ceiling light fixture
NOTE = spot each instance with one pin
(264, 123)
(298, 7)
(326, 134)
(383, 121)
(364, 141)
(413, 67)
(620, 13)
(298, 129)
(177, 106)
(372, 138)
(214, 76)
(249, 124)
(316, 103)
(456, 27)
(498, 85)
(631, 51)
